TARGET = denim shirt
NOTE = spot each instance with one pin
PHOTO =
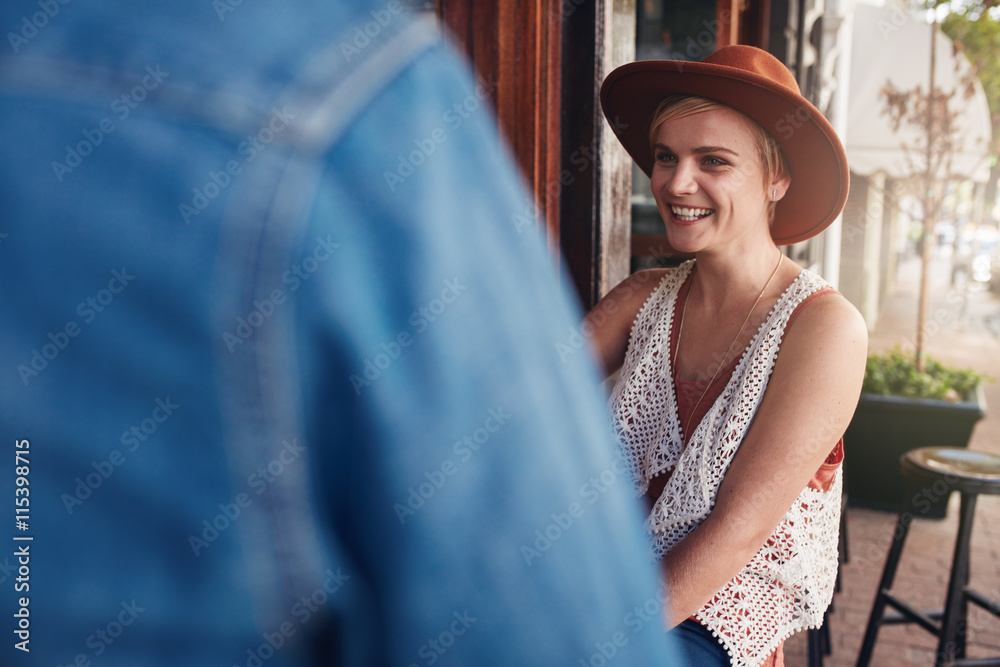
(290, 379)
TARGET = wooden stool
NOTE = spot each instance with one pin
(970, 473)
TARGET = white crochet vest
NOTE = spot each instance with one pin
(787, 586)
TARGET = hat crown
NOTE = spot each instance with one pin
(755, 61)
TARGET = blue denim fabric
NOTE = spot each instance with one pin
(298, 384)
(698, 646)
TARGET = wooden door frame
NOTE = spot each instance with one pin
(518, 47)
(596, 198)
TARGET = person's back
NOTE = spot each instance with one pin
(272, 405)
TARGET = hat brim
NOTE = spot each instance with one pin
(815, 156)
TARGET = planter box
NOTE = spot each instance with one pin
(886, 427)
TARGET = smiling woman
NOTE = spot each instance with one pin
(771, 159)
(739, 371)
(709, 173)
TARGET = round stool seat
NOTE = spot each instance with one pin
(965, 470)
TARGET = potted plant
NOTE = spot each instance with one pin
(901, 409)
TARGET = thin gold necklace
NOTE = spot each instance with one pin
(680, 329)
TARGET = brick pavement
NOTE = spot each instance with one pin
(968, 334)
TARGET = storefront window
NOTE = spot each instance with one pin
(675, 30)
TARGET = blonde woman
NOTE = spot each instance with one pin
(739, 370)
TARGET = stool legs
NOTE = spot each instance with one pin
(953, 624)
(815, 647)
(885, 585)
(954, 617)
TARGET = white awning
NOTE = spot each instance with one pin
(891, 45)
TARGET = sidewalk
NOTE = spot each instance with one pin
(968, 335)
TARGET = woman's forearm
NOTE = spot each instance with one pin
(702, 563)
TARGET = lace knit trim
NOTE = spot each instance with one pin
(789, 583)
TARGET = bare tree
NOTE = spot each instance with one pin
(934, 113)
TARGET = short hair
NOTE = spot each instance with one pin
(772, 159)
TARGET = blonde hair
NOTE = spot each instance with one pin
(772, 159)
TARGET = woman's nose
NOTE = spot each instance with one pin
(681, 181)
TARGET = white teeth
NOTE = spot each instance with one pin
(689, 214)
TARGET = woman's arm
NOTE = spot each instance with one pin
(609, 323)
(808, 404)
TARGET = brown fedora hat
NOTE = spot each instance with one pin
(757, 84)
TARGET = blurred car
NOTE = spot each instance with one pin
(994, 279)
(984, 259)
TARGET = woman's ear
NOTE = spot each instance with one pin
(778, 187)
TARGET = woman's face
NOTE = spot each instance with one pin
(709, 183)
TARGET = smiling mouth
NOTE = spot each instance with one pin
(690, 214)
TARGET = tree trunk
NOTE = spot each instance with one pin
(930, 215)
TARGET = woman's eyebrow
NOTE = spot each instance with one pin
(701, 150)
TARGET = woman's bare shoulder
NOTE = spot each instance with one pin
(832, 310)
(609, 323)
(832, 325)
(631, 293)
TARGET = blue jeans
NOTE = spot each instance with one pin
(699, 646)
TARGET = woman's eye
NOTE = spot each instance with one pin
(664, 157)
(714, 162)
